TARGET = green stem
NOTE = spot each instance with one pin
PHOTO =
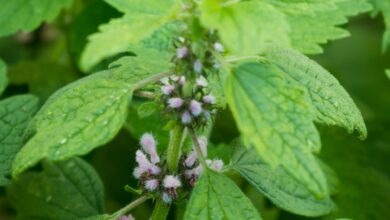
(195, 141)
(160, 211)
(129, 207)
(174, 148)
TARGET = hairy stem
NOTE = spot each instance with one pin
(195, 141)
(174, 148)
(129, 207)
(151, 79)
(160, 211)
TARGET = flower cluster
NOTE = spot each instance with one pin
(155, 179)
(193, 169)
(150, 174)
(194, 107)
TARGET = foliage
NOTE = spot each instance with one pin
(227, 111)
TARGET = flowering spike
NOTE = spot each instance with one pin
(151, 184)
(167, 89)
(182, 52)
(148, 143)
(209, 99)
(171, 181)
(175, 102)
(195, 108)
(186, 118)
(198, 66)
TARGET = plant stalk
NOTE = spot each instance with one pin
(174, 148)
(129, 207)
(160, 210)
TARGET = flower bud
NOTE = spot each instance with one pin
(182, 80)
(182, 52)
(175, 102)
(202, 82)
(195, 108)
(215, 165)
(148, 144)
(151, 184)
(166, 198)
(198, 66)
(191, 158)
(167, 89)
(171, 182)
(218, 47)
(209, 99)
(186, 118)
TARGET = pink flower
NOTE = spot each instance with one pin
(215, 165)
(202, 82)
(171, 182)
(191, 158)
(182, 52)
(175, 102)
(151, 184)
(148, 143)
(145, 166)
(198, 66)
(141, 159)
(186, 118)
(195, 108)
(209, 99)
(194, 172)
(167, 89)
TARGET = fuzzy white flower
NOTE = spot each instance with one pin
(151, 184)
(148, 143)
(171, 181)
(182, 52)
(167, 89)
(175, 102)
(209, 99)
(186, 118)
(202, 82)
(166, 198)
(195, 108)
(198, 66)
(218, 47)
(215, 165)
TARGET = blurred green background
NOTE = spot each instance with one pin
(45, 60)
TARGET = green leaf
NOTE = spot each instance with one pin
(26, 15)
(138, 23)
(215, 196)
(3, 76)
(66, 190)
(332, 103)
(274, 114)
(278, 185)
(86, 23)
(42, 77)
(315, 22)
(15, 114)
(383, 6)
(76, 119)
(244, 27)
